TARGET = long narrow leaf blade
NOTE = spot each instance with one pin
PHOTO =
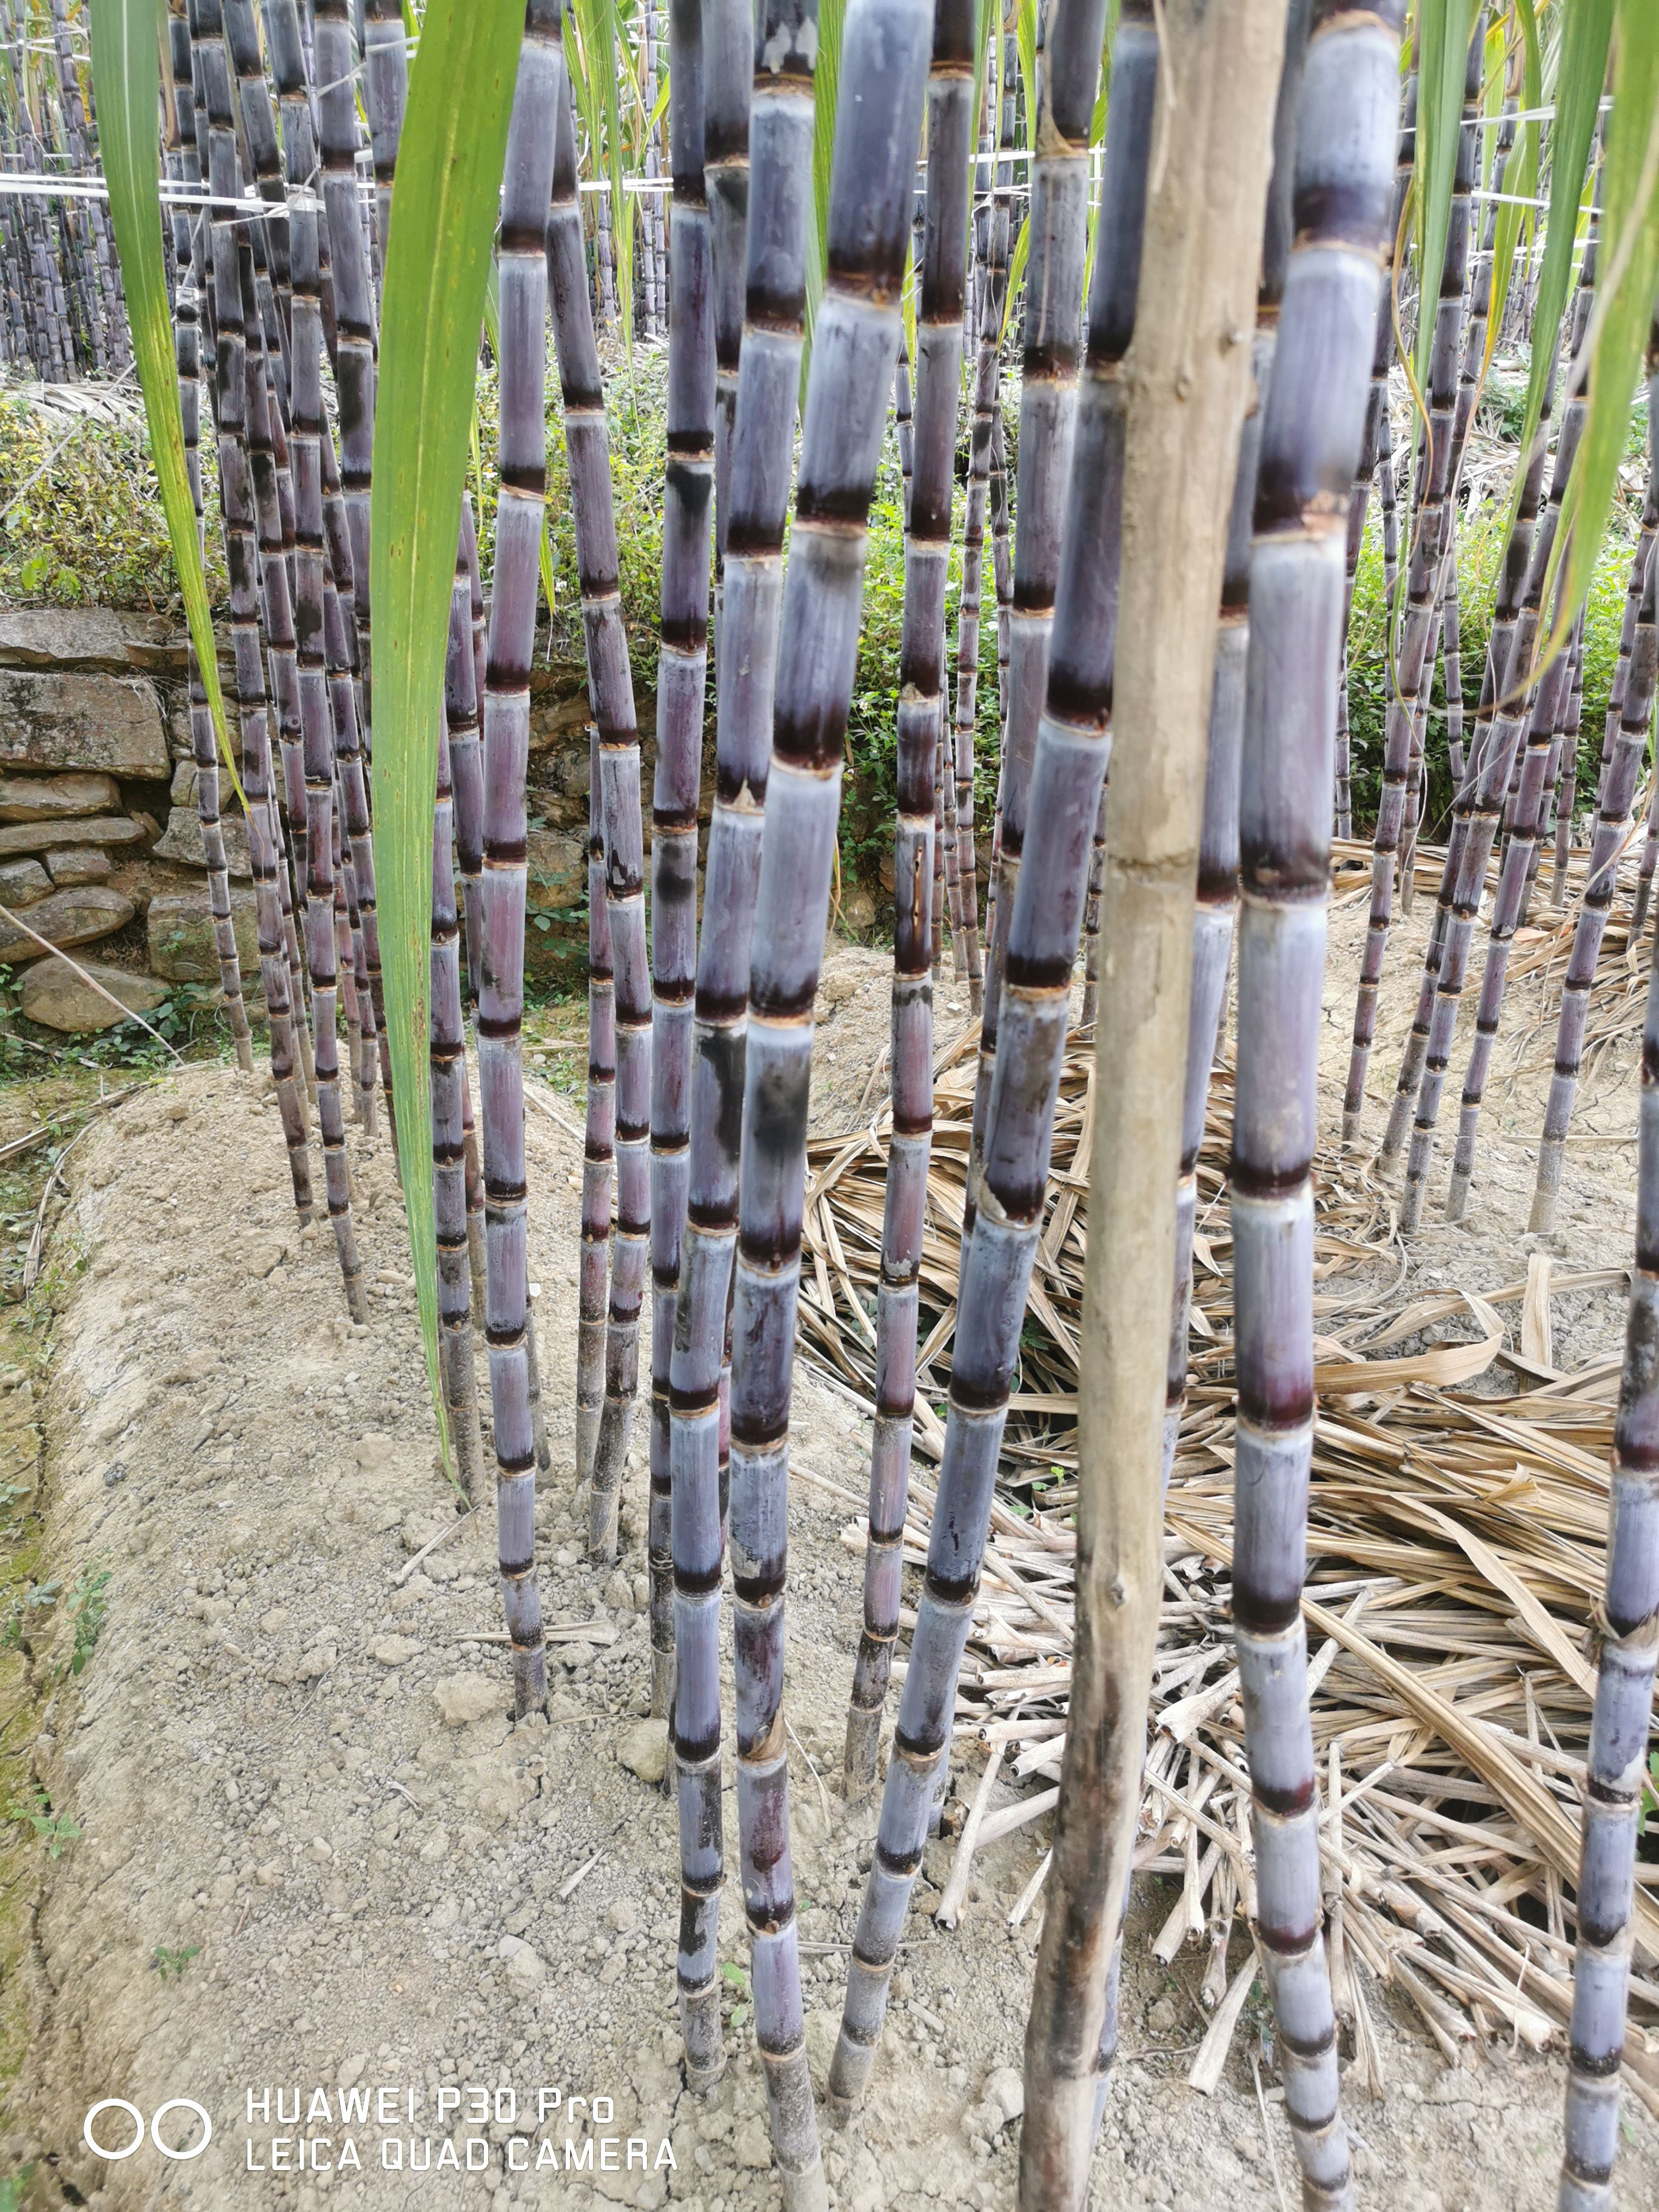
(1584, 36)
(1520, 179)
(1442, 51)
(444, 204)
(1625, 303)
(826, 96)
(126, 84)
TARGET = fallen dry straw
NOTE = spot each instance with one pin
(1457, 1527)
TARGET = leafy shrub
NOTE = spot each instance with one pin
(81, 520)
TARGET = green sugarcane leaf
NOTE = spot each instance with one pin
(1444, 31)
(443, 223)
(1018, 259)
(826, 94)
(126, 76)
(492, 313)
(1584, 33)
(616, 163)
(661, 108)
(1516, 224)
(908, 304)
(1628, 273)
(1025, 29)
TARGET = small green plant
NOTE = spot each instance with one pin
(87, 1608)
(1649, 1801)
(738, 1980)
(38, 1597)
(173, 1962)
(13, 2187)
(55, 1830)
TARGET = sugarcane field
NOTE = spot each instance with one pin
(828, 1104)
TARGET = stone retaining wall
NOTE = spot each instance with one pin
(100, 849)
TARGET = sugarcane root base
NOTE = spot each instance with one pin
(700, 2030)
(587, 1438)
(861, 1757)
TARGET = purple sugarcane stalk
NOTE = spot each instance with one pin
(942, 278)
(682, 680)
(449, 1082)
(884, 72)
(1052, 346)
(466, 753)
(993, 265)
(526, 177)
(598, 1137)
(1505, 918)
(298, 662)
(188, 354)
(1612, 814)
(728, 68)
(1091, 917)
(1627, 1622)
(1044, 914)
(780, 139)
(1482, 775)
(1310, 441)
(386, 95)
(353, 349)
(1496, 774)
(610, 689)
(1436, 521)
(210, 114)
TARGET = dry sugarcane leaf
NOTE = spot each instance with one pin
(1537, 1342)
(1440, 1369)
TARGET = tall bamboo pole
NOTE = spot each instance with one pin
(941, 279)
(781, 124)
(1039, 947)
(1189, 372)
(1310, 442)
(883, 69)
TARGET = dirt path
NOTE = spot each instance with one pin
(317, 1861)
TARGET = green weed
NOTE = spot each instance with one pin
(86, 1608)
(57, 1831)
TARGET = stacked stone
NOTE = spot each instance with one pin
(101, 846)
(94, 759)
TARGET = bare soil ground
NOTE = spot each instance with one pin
(316, 1860)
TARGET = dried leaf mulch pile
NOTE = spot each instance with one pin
(1457, 1527)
